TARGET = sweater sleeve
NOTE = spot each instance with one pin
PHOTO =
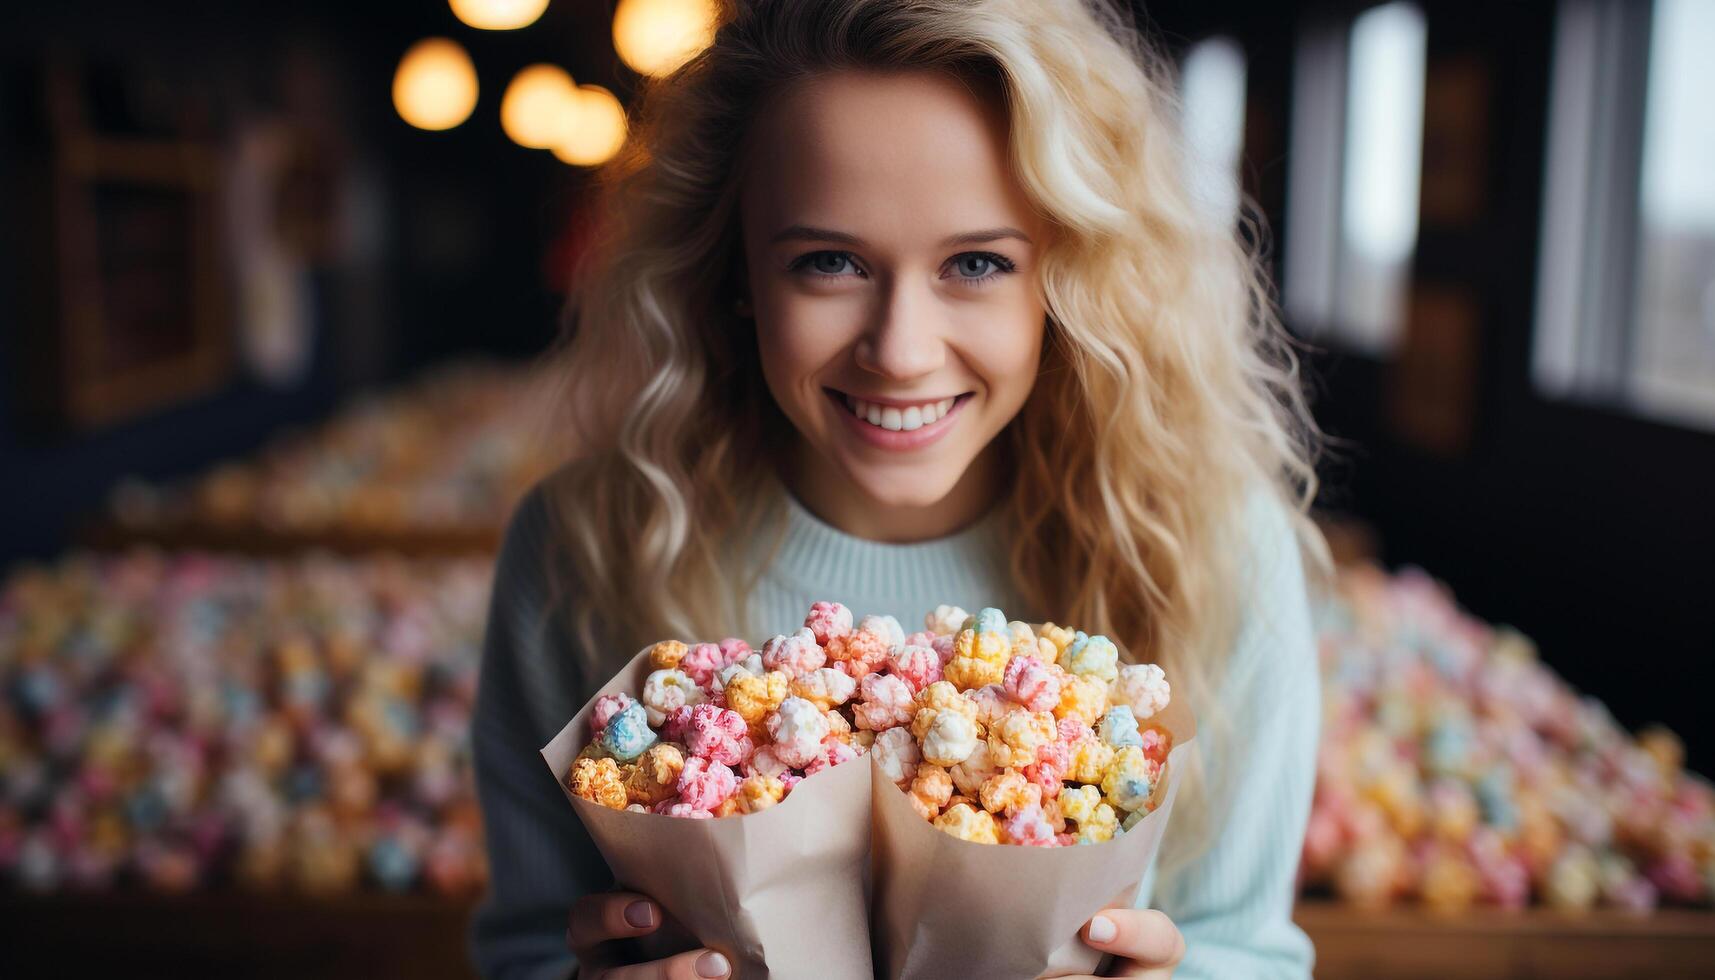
(1234, 903)
(539, 855)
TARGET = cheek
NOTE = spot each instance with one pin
(1008, 358)
(794, 346)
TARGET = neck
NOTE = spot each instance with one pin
(844, 505)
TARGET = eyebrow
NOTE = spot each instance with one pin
(806, 233)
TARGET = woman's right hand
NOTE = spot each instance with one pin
(599, 921)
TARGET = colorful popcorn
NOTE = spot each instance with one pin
(180, 721)
(985, 724)
(1456, 768)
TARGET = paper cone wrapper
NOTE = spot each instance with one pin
(782, 892)
(945, 907)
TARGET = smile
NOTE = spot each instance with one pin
(898, 419)
(898, 427)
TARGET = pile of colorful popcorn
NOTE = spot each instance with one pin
(450, 453)
(1456, 769)
(184, 721)
(999, 732)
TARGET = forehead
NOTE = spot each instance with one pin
(908, 153)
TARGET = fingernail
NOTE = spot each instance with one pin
(1102, 929)
(640, 915)
(712, 964)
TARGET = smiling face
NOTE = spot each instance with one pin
(891, 259)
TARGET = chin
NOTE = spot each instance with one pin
(903, 487)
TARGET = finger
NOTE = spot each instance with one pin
(1144, 935)
(610, 915)
(698, 964)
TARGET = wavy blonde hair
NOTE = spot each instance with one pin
(1163, 354)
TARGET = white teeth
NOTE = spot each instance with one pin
(897, 419)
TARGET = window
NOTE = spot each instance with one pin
(1357, 125)
(1212, 92)
(1626, 285)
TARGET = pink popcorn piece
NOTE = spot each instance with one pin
(606, 707)
(701, 662)
(1028, 827)
(918, 664)
(859, 653)
(1029, 682)
(704, 785)
(797, 654)
(718, 734)
(1073, 731)
(734, 650)
(828, 620)
(887, 702)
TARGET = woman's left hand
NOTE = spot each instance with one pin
(1147, 942)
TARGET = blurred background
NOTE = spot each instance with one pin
(273, 280)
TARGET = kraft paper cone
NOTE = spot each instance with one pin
(782, 892)
(946, 907)
(788, 892)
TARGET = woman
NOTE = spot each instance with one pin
(901, 303)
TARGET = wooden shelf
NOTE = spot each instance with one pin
(423, 937)
(1394, 944)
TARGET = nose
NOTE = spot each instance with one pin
(906, 338)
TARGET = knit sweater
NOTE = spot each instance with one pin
(1233, 903)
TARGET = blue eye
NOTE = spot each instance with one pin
(818, 264)
(998, 262)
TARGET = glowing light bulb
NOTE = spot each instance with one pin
(498, 15)
(435, 85)
(654, 37)
(538, 106)
(596, 128)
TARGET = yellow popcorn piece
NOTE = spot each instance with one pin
(1059, 638)
(1129, 779)
(968, 823)
(599, 781)
(1096, 820)
(656, 775)
(758, 793)
(978, 659)
(1008, 791)
(667, 654)
(1017, 736)
(1083, 697)
(1091, 758)
(754, 697)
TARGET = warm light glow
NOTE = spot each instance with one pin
(656, 36)
(498, 15)
(435, 86)
(538, 107)
(596, 130)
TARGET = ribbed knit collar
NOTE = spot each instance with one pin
(821, 557)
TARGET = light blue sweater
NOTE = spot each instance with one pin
(1233, 904)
